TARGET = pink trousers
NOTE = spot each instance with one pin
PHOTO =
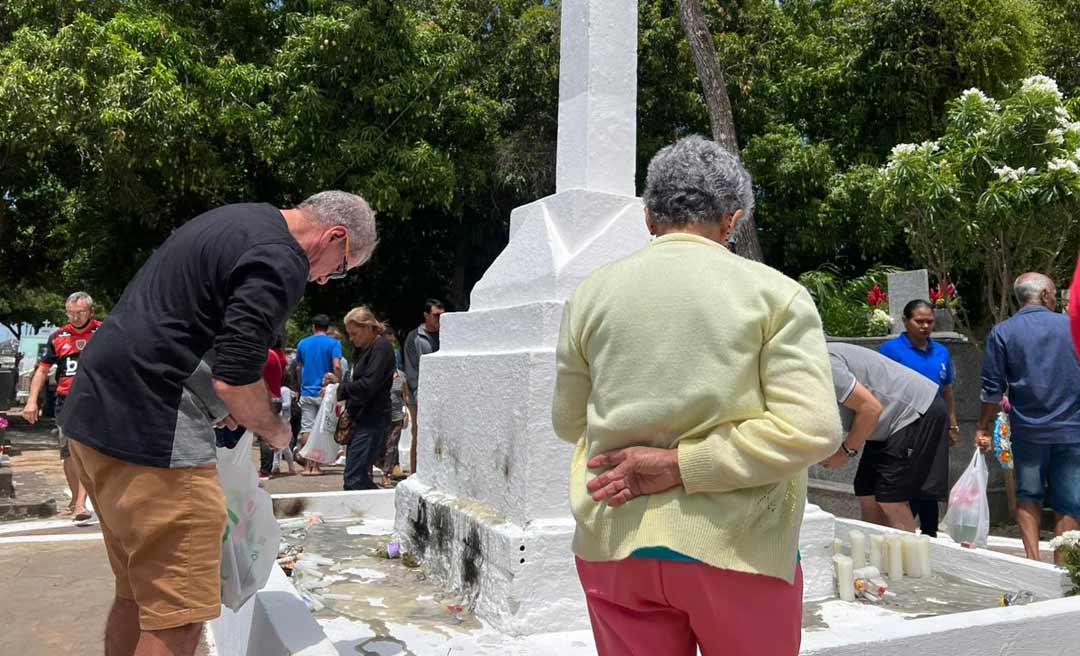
(646, 607)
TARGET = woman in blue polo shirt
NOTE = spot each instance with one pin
(917, 351)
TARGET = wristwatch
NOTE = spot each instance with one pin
(849, 452)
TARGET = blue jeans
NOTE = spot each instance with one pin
(1053, 466)
(366, 445)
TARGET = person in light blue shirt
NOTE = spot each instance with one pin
(316, 356)
(916, 350)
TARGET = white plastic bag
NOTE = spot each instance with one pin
(252, 536)
(321, 447)
(968, 517)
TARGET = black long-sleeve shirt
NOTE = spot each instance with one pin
(367, 392)
(205, 305)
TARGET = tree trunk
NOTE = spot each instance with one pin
(457, 293)
(721, 119)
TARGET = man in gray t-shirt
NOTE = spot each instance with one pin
(896, 417)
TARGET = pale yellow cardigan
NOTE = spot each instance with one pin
(685, 345)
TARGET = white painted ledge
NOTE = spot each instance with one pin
(275, 622)
(982, 566)
(1048, 628)
(360, 503)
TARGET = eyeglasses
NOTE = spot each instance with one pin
(344, 271)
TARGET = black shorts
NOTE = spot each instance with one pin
(902, 467)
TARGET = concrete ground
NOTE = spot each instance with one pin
(55, 597)
(55, 582)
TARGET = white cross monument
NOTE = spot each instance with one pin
(488, 512)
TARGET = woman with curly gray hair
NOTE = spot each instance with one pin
(696, 388)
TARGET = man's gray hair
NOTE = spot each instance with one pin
(696, 180)
(340, 208)
(80, 296)
(1029, 287)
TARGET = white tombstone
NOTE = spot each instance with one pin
(904, 287)
(488, 512)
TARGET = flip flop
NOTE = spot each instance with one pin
(83, 516)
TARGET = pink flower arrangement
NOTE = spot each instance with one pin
(3, 423)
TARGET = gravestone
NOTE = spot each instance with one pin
(904, 287)
(487, 512)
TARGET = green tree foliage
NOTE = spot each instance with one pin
(838, 83)
(120, 119)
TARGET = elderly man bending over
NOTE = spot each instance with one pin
(695, 386)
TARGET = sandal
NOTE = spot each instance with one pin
(82, 516)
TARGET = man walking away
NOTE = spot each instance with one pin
(63, 349)
(1030, 358)
(420, 342)
(316, 356)
(182, 351)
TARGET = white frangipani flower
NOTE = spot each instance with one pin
(1059, 164)
(1056, 136)
(1041, 83)
(1008, 173)
(1073, 127)
(980, 97)
(903, 149)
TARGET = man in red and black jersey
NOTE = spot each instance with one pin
(62, 350)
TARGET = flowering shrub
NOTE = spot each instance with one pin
(841, 306)
(1068, 545)
(997, 193)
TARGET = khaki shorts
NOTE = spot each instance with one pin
(163, 530)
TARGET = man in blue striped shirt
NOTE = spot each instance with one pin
(1030, 358)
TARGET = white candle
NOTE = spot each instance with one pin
(896, 557)
(924, 555)
(858, 549)
(911, 556)
(878, 551)
(837, 547)
(868, 572)
(845, 582)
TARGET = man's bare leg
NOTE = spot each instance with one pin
(1064, 523)
(78, 492)
(870, 511)
(181, 641)
(1029, 517)
(122, 627)
(71, 473)
(898, 515)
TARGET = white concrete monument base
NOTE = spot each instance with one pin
(521, 577)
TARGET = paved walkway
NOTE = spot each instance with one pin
(55, 597)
